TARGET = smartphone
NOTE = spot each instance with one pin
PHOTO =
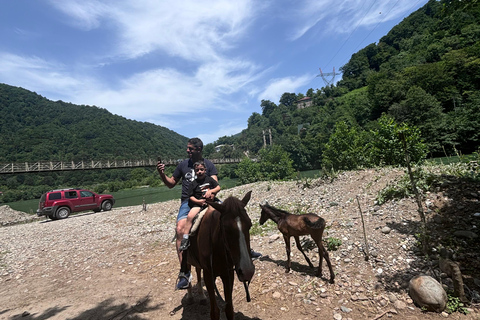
(159, 159)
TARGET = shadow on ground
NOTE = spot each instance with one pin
(197, 311)
(106, 309)
(452, 224)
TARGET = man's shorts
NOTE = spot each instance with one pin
(183, 211)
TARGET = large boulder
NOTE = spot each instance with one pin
(427, 293)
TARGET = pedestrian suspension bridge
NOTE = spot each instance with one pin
(48, 166)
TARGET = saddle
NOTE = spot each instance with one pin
(197, 220)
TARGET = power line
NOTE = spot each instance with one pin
(381, 21)
(358, 24)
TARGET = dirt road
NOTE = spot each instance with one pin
(122, 264)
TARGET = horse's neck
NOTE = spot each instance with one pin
(276, 216)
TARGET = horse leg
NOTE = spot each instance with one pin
(297, 240)
(327, 258)
(190, 299)
(287, 247)
(210, 284)
(203, 297)
(323, 253)
(227, 291)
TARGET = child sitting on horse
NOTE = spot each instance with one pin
(203, 188)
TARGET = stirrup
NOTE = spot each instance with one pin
(183, 281)
(184, 244)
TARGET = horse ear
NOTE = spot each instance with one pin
(246, 198)
(216, 205)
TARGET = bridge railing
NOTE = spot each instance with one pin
(48, 166)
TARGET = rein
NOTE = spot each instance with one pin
(226, 250)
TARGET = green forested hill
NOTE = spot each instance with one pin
(425, 73)
(33, 128)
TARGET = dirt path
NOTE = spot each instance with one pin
(122, 264)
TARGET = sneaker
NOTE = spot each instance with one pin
(183, 281)
(255, 255)
(184, 244)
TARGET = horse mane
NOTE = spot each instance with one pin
(277, 212)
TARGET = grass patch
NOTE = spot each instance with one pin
(426, 177)
(127, 197)
(333, 243)
(455, 305)
(267, 227)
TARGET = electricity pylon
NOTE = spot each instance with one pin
(328, 74)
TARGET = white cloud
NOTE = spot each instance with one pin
(190, 29)
(86, 14)
(277, 87)
(221, 130)
(37, 74)
(345, 16)
(169, 92)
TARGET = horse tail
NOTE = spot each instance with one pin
(318, 224)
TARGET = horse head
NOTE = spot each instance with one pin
(236, 226)
(266, 213)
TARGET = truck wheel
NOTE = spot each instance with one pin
(107, 205)
(62, 213)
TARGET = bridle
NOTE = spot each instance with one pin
(228, 255)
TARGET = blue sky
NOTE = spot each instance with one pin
(199, 68)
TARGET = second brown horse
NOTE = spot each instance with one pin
(292, 225)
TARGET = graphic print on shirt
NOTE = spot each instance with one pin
(204, 187)
(190, 176)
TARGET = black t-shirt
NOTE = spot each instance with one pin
(197, 187)
(185, 171)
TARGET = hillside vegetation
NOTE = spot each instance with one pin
(416, 92)
(33, 128)
(423, 75)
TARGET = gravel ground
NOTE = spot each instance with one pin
(122, 264)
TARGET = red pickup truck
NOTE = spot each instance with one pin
(58, 204)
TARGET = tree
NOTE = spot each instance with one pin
(273, 164)
(345, 148)
(386, 147)
(423, 111)
(289, 100)
(267, 107)
(248, 171)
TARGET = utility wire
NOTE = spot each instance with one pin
(381, 21)
(351, 33)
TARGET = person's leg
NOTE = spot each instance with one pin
(181, 221)
(191, 215)
(185, 243)
(255, 255)
(184, 276)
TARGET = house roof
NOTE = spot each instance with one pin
(304, 99)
